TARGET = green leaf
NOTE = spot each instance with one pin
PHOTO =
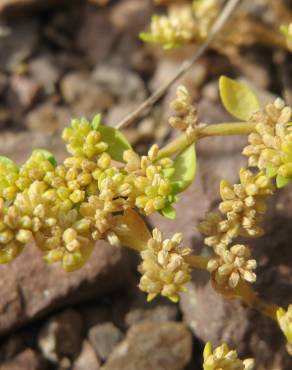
(237, 98)
(117, 142)
(271, 171)
(48, 155)
(96, 121)
(168, 172)
(168, 212)
(282, 181)
(185, 166)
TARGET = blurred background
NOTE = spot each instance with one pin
(64, 59)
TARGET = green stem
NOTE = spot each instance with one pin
(227, 129)
(217, 129)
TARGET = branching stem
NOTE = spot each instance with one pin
(218, 129)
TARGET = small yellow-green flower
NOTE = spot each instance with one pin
(233, 265)
(223, 358)
(82, 140)
(164, 267)
(270, 147)
(9, 174)
(285, 322)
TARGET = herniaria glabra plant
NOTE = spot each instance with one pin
(103, 189)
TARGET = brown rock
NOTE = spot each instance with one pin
(134, 309)
(11, 346)
(96, 34)
(87, 359)
(30, 288)
(85, 97)
(150, 346)
(138, 11)
(119, 82)
(48, 118)
(60, 337)
(18, 43)
(26, 360)
(103, 338)
(46, 72)
(25, 90)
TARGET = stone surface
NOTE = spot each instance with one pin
(26, 360)
(87, 359)
(48, 118)
(96, 35)
(103, 338)
(29, 289)
(60, 337)
(119, 82)
(85, 97)
(133, 308)
(25, 91)
(150, 346)
(18, 42)
(46, 72)
(138, 11)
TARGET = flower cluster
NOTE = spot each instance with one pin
(233, 265)
(186, 22)
(285, 322)
(186, 119)
(66, 208)
(270, 147)
(164, 267)
(148, 180)
(222, 358)
(243, 206)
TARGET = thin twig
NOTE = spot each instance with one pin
(217, 26)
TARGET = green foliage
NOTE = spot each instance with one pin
(185, 168)
(282, 181)
(237, 98)
(169, 212)
(117, 142)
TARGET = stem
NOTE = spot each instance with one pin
(251, 298)
(176, 146)
(198, 262)
(225, 129)
(217, 26)
(217, 129)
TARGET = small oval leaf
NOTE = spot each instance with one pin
(237, 98)
(282, 181)
(271, 171)
(185, 165)
(117, 142)
(168, 212)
